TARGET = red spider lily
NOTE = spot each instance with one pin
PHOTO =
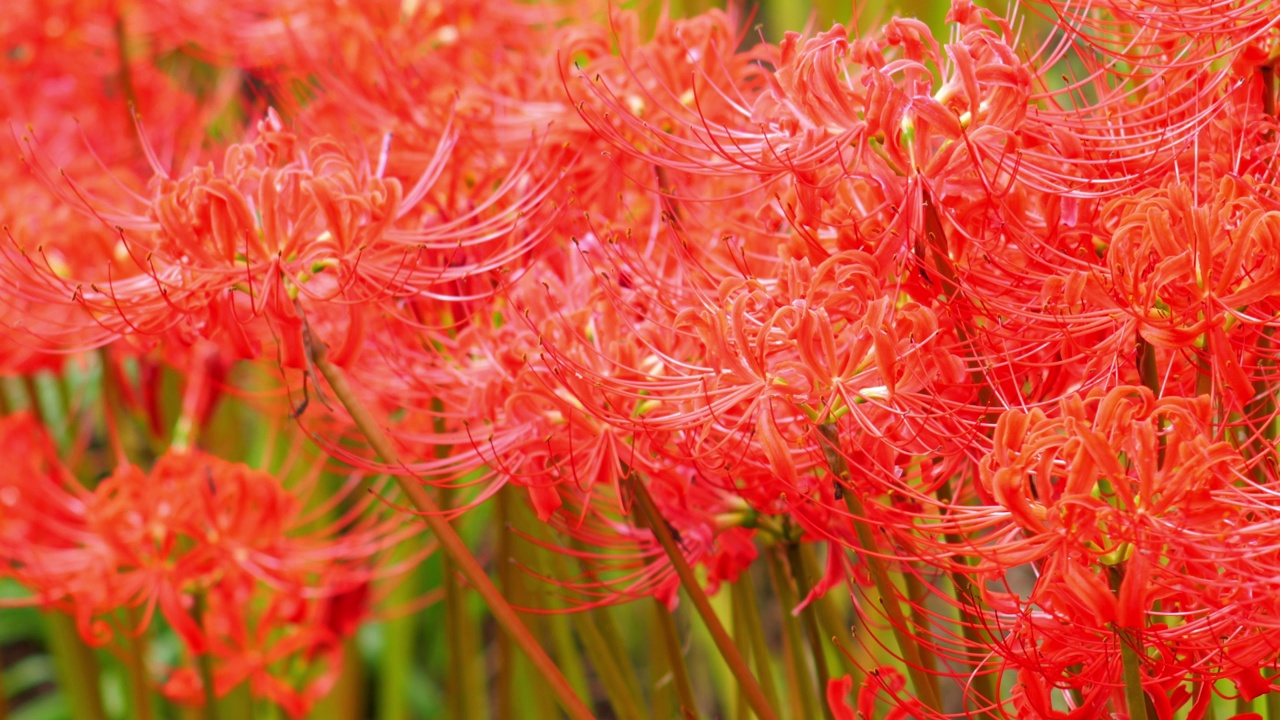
(280, 227)
(888, 269)
(41, 509)
(1210, 293)
(1138, 531)
(846, 128)
(72, 86)
(233, 560)
(276, 217)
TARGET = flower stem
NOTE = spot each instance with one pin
(804, 701)
(77, 668)
(449, 539)
(831, 619)
(1268, 74)
(4, 696)
(744, 597)
(669, 653)
(738, 666)
(924, 684)
(612, 648)
(920, 677)
(347, 698)
(135, 662)
(808, 617)
(517, 558)
(741, 638)
(675, 660)
(626, 705)
(463, 683)
(397, 656)
(205, 664)
(1135, 697)
(965, 592)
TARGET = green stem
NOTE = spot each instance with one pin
(121, 35)
(744, 597)
(675, 660)
(662, 698)
(603, 620)
(831, 618)
(808, 616)
(347, 697)
(77, 668)
(567, 655)
(724, 643)
(804, 701)
(449, 539)
(923, 681)
(1268, 74)
(1135, 697)
(4, 695)
(462, 680)
(552, 625)
(925, 685)
(917, 592)
(238, 703)
(670, 655)
(626, 705)
(135, 662)
(781, 16)
(34, 406)
(741, 638)
(1147, 369)
(397, 655)
(205, 664)
(965, 593)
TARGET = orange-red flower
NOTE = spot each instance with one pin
(235, 562)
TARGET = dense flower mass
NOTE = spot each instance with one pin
(976, 321)
(232, 560)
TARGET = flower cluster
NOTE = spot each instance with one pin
(236, 563)
(940, 309)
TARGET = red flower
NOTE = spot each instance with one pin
(230, 557)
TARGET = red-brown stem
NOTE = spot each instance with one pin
(738, 666)
(449, 539)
